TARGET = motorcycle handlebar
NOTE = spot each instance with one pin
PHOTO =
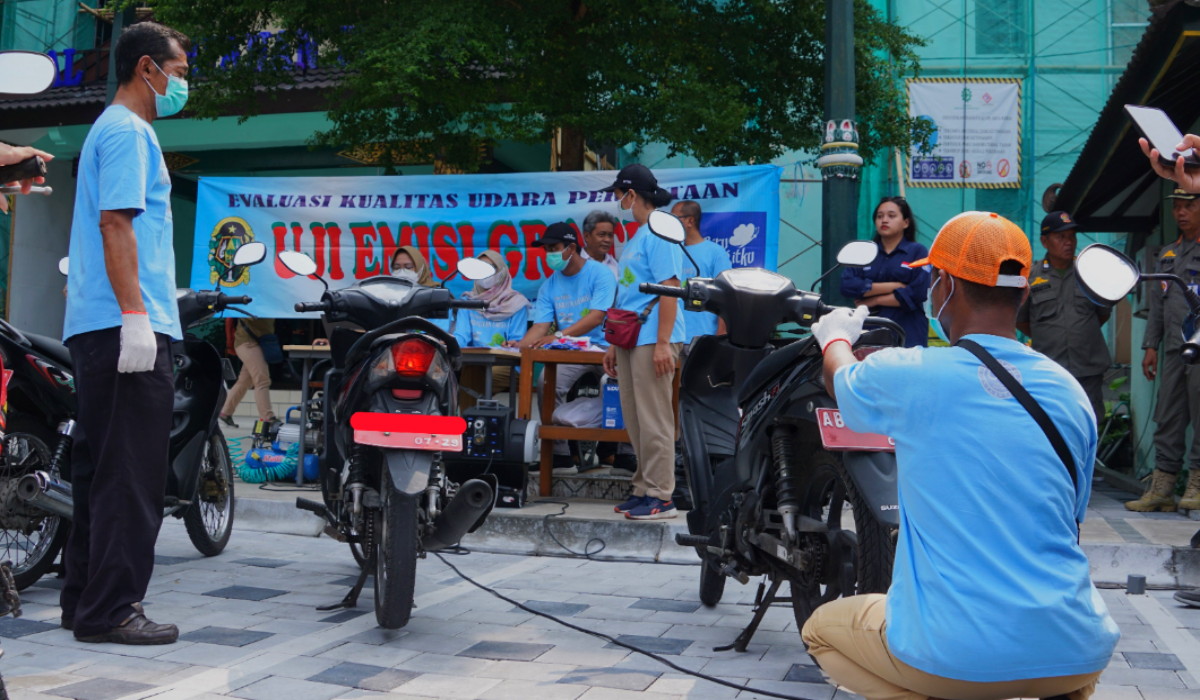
(28, 168)
(230, 301)
(662, 290)
(303, 306)
(469, 304)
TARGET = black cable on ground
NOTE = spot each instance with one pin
(612, 640)
(585, 554)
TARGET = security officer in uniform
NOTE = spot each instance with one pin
(1179, 384)
(1064, 324)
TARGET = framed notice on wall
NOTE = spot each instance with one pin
(976, 139)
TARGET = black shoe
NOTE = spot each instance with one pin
(228, 420)
(137, 629)
(1190, 598)
(67, 623)
(625, 462)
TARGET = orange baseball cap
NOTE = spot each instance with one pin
(974, 244)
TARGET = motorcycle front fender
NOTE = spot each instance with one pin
(874, 475)
(409, 469)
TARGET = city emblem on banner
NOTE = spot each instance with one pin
(227, 236)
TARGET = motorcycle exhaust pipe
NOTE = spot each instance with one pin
(44, 491)
(472, 501)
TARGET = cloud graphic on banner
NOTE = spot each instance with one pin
(743, 234)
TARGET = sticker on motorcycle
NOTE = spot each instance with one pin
(835, 436)
(409, 431)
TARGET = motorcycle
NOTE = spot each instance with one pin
(35, 491)
(388, 412)
(1107, 276)
(780, 487)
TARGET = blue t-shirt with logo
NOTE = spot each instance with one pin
(474, 330)
(713, 259)
(563, 300)
(990, 583)
(649, 259)
(121, 167)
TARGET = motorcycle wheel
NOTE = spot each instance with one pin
(395, 557)
(209, 520)
(852, 561)
(27, 448)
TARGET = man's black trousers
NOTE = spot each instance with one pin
(118, 477)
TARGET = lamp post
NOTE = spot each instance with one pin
(839, 161)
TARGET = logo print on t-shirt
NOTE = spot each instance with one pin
(992, 385)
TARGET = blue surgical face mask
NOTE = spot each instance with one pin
(556, 261)
(173, 101)
(935, 321)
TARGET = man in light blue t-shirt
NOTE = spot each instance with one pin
(991, 595)
(573, 300)
(121, 317)
(712, 258)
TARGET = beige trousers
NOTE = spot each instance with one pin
(649, 416)
(254, 373)
(847, 638)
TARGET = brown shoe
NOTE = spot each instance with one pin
(136, 629)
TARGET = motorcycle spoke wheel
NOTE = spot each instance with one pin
(30, 538)
(209, 520)
(395, 557)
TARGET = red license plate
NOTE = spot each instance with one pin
(409, 431)
(837, 437)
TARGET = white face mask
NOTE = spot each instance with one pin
(490, 282)
(621, 209)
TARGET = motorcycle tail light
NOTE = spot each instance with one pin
(412, 357)
(407, 394)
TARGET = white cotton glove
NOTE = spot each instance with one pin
(138, 346)
(839, 324)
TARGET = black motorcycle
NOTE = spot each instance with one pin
(389, 411)
(35, 491)
(1107, 276)
(780, 487)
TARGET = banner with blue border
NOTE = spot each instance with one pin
(351, 226)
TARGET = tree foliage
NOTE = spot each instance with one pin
(724, 81)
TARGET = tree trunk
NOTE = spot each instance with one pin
(570, 150)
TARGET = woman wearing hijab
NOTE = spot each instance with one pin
(506, 315)
(646, 371)
(505, 319)
(408, 258)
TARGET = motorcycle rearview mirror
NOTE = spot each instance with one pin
(250, 254)
(26, 72)
(300, 264)
(666, 226)
(853, 254)
(1105, 274)
(857, 254)
(64, 265)
(669, 228)
(475, 269)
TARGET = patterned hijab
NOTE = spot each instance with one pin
(503, 300)
(424, 276)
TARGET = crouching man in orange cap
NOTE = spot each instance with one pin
(990, 596)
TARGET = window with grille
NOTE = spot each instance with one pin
(1001, 27)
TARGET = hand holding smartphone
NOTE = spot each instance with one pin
(1162, 135)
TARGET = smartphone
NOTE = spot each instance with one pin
(1162, 134)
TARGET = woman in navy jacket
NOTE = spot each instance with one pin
(886, 286)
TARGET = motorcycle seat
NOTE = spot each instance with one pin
(50, 347)
(769, 367)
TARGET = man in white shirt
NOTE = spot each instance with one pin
(599, 232)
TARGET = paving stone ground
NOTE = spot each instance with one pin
(250, 630)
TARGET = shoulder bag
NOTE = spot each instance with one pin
(267, 342)
(1014, 387)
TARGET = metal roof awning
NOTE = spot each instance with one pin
(1111, 187)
